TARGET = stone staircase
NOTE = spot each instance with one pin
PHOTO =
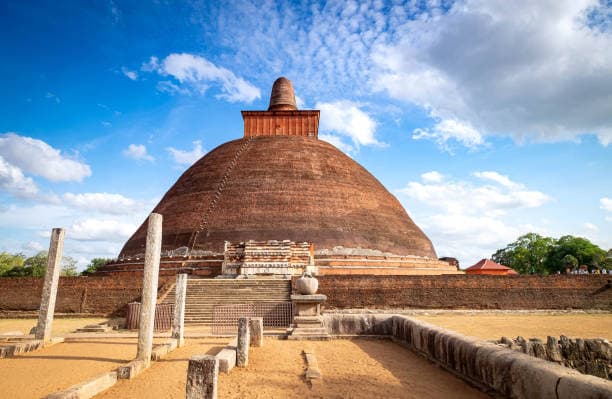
(204, 294)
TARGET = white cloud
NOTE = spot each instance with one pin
(100, 230)
(101, 202)
(504, 68)
(432, 177)
(498, 178)
(536, 70)
(337, 141)
(187, 157)
(591, 227)
(198, 73)
(469, 220)
(449, 129)
(169, 87)
(33, 246)
(132, 75)
(463, 197)
(40, 159)
(346, 118)
(13, 181)
(606, 204)
(138, 152)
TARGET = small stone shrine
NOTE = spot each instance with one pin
(307, 319)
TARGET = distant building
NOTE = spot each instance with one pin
(487, 266)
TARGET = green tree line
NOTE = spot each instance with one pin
(19, 265)
(533, 253)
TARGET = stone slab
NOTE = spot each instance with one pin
(87, 389)
(227, 357)
(315, 298)
(202, 376)
(161, 350)
(131, 369)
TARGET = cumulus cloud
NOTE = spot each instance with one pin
(138, 152)
(39, 158)
(100, 230)
(197, 73)
(534, 70)
(101, 202)
(346, 118)
(33, 246)
(467, 218)
(449, 130)
(337, 141)
(13, 181)
(464, 197)
(182, 157)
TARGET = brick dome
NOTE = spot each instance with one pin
(282, 187)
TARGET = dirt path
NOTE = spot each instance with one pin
(52, 369)
(165, 378)
(493, 326)
(351, 369)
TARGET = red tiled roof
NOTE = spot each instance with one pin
(487, 264)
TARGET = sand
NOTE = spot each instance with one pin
(61, 327)
(351, 369)
(493, 326)
(55, 368)
(165, 378)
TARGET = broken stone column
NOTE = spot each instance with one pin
(242, 347)
(49, 292)
(256, 331)
(202, 374)
(149, 288)
(178, 324)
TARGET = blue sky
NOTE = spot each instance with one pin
(487, 119)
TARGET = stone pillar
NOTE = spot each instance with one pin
(202, 374)
(256, 331)
(242, 347)
(49, 292)
(178, 325)
(149, 288)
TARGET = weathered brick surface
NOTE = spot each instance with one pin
(282, 187)
(467, 292)
(96, 295)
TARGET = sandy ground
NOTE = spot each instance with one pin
(166, 378)
(493, 326)
(39, 373)
(61, 327)
(351, 369)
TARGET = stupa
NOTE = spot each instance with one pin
(280, 182)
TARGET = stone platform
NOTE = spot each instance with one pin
(308, 322)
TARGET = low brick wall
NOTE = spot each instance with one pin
(467, 292)
(90, 295)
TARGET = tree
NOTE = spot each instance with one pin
(528, 253)
(583, 250)
(569, 261)
(94, 265)
(69, 267)
(36, 265)
(10, 261)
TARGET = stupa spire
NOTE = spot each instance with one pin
(282, 97)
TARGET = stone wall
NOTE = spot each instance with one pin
(467, 292)
(589, 356)
(89, 295)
